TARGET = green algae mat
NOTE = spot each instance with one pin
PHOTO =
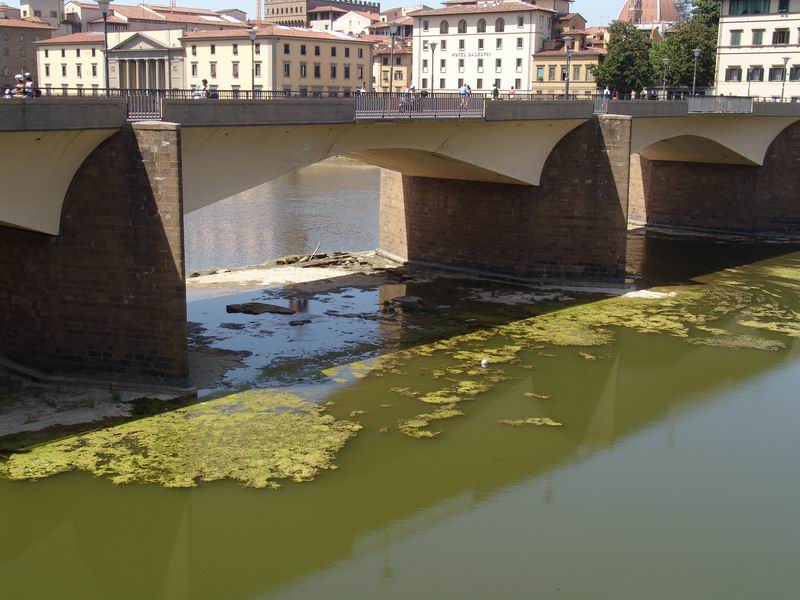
(260, 438)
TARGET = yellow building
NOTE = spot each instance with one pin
(283, 59)
(71, 62)
(550, 69)
(383, 70)
(137, 60)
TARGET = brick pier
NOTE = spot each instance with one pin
(106, 298)
(572, 227)
(700, 197)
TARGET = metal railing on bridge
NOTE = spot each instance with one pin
(148, 104)
(720, 104)
(695, 104)
(407, 105)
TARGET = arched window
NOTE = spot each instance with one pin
(444, 27)
(500, 25)
(482, 26)
(462, 26)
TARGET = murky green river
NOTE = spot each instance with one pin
(613, 447)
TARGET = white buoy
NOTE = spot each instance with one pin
(484, 363)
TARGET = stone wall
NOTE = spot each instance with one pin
(572, 226)
(105, 298)
(760, 201)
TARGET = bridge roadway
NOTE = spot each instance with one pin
(91, 227)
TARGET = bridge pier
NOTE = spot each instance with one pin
(571, 227)
(106, 297)
(758, 201)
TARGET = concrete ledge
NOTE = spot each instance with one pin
(526, 110)
(648, 108)
(280, 111)
(60, 114)
(776, 109)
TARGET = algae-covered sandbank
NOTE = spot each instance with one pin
(257, 438)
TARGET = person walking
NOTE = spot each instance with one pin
(463, 92)
(607, 93)
(511, 93)
(495, 92)
(633, 94)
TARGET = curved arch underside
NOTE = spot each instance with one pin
(219, 162)
(696, 149)
(719, 138)
(36, 169)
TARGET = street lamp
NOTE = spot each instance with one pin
(433, 63)
(665, 64)
(393, 32)
(785, 75)
(568, 47)
(253, 34)
(103, 4)
(696, 53)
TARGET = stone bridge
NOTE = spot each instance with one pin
(91, 233)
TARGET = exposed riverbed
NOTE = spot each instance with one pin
(408, 433)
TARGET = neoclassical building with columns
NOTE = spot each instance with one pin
(136, 60)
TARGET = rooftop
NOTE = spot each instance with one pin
(481, 7)
(27, 23)
(280, 31)
(75, 38)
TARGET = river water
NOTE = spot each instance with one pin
(613, 447)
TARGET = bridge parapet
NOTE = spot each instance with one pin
(294, 111)
(777, 109)
(529, 110)
(62, 114)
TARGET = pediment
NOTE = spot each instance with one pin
(138, 42)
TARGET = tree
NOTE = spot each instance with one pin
(707, 11)
(678, 47)
(700, 31)
(627, 65)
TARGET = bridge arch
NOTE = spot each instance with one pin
(707, 138)
(691, 183)
(37, 169)
(219, 162)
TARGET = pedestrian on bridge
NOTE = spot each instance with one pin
(19, 87)
(463, 91)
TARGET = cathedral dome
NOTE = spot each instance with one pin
(648, 11)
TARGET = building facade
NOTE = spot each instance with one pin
(283, 59)
(396, 67)
(551, 68)
(758, 49)
(136, 60)
(72, 62)
(17, 47)
(349, 22)
(295, 13)
(49, 11)
(481, 44)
